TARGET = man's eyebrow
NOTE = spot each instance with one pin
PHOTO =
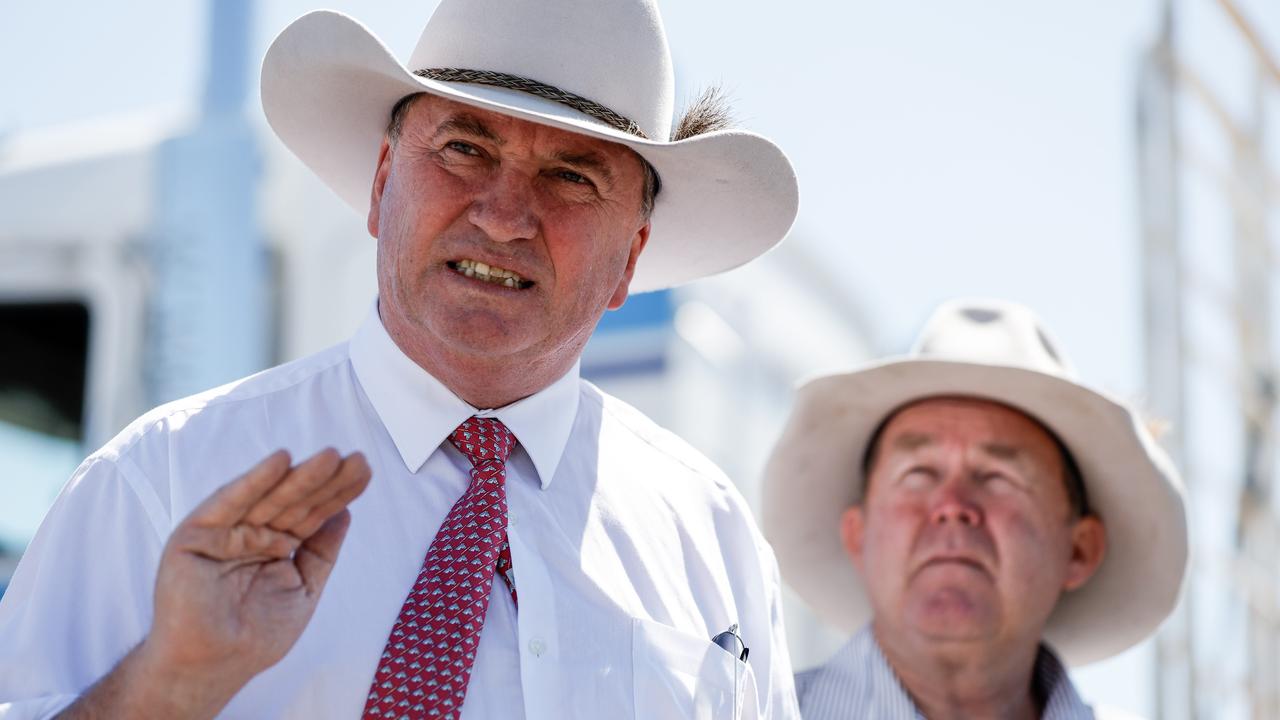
(912, 441)
(588, 160)
(1002, 452)
(469, 125)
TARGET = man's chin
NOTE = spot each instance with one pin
(477, 337)
(952, 615)
(478, 331)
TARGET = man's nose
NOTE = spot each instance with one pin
(503, 207)
(952, 504)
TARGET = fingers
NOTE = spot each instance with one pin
(232, 501)
(301, 484)
(301, 508)
(317, 555)
(352, 478)
(242, 543)
(265, 513)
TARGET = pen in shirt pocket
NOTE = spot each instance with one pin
(732, 642)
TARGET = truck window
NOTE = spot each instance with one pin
(44, 349)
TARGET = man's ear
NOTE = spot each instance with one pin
(379, 183)
(852, 526)
(1088, 548)
(637, 245)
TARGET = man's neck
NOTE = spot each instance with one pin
(485, 387)
(483, 383)
(964, 680)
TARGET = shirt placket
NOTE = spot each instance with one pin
(537, 632)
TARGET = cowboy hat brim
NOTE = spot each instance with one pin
(329, 84)
(815, 474)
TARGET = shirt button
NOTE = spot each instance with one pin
(537, 647)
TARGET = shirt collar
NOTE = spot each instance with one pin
(1052, 683)
(419, 412)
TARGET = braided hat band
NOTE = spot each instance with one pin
(533, 87)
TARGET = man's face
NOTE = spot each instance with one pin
(555, 217)
(965, 531)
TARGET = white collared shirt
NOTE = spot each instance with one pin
(858, 682)
(630, 550)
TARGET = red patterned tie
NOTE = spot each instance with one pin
(426, 665)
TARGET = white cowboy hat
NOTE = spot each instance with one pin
(328, 87)
(996, 351)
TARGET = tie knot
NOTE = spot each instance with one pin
(483, 440)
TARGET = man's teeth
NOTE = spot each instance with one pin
(490, 273)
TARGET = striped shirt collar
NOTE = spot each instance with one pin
(858, 682)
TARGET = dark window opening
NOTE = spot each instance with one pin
(44, 351)
(44, 358)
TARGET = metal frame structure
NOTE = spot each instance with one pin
(1246, 183)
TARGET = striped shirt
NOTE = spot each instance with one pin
(857, 682)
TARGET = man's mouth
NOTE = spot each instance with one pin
(955, 560)
(489, 273)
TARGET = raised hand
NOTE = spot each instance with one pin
(238, 581)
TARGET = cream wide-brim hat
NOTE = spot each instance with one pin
(994, 351)
(328, 87)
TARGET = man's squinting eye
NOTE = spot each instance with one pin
(462, 147)
(573, 177)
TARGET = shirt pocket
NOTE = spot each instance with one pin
(679, 676)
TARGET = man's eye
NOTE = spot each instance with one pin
(464, 148)
(573, 177)
(918, 477)
(994, 478)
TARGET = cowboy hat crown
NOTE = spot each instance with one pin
(992, 332)
(612, 52)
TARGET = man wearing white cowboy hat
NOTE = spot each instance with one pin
(971, 513)
(518, 541)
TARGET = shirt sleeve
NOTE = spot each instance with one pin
(82, 594)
